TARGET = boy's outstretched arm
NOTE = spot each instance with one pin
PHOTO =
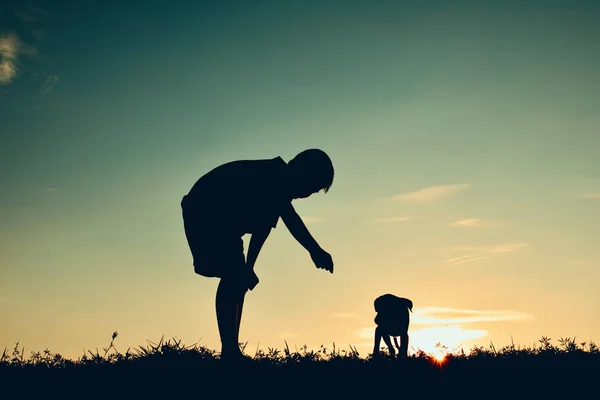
(295, 225)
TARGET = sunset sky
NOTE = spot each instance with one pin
(464, 134)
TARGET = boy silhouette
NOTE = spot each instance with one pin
(248, 197)
(392, 319)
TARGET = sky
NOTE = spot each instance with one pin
(464, 136)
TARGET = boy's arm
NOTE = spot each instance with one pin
(256, 242)
(296, 226)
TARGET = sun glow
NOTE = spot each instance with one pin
(442, 339)
(436, 341)
(439, 353)
(438, 356)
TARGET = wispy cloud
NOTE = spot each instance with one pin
(589, 196)
(29, 12)
(48, 84)
(38, 34)
(465, 259)
(312, 220)
(475, 223)
(432, 194)
(52, 189)
(24, 15)
(446, 315)
(498, 249)
(391, 219)
(344, 315)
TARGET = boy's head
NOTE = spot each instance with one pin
(310, 171)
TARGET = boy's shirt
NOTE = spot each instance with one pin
(240, 196)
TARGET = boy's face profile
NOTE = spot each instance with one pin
(308, 173)
(304, 192)
(303, 187)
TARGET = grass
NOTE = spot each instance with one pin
(544, 367)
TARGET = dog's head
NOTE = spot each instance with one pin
(389, 300)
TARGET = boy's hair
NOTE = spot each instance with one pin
(316, 164)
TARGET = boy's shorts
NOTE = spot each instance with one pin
(216, 253)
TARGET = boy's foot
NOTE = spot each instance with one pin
(235, 358)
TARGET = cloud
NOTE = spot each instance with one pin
(52, 189)
(453, 337)
(10, 49)
(430, 195)
(499, 249)
(312, 220)
(24, 15)
(38, 34)
(392, 219)
(465, 259)
(485, 252)
(474, 223)
(344, 315)
(48, 84)
(445, 315)
(589, 196)
(29, 12)
(443, 326)
(365, 333)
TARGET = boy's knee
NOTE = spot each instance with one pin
(204, 269)
(233, 286)
(220, 262)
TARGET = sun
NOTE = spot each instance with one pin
(439, 353)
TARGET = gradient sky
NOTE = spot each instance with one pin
(464, 136)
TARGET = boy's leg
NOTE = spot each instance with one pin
(229, 303)
(217, 254)
(227, 261)
(239, 308)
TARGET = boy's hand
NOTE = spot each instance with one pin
(322, 260)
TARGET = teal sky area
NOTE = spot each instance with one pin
(464, 135)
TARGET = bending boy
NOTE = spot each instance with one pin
(249, 197)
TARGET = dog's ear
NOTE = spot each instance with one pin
(409, 304)
(379, 303)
